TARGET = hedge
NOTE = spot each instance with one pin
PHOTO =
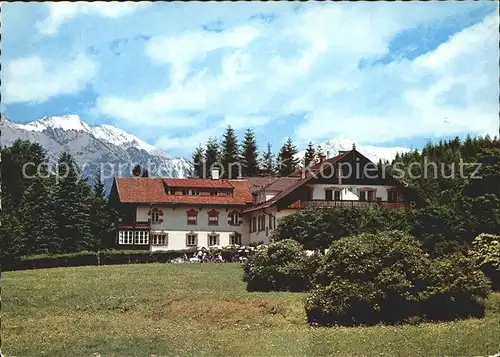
(107, 257)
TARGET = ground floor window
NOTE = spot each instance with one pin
(213, 239)
(141, 237)
(191, 239)
(235, 239)
(159, 238)
(126, 237)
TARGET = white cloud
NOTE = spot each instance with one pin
(35, 79)
(180, 50)
(308, 63)
(62, 11)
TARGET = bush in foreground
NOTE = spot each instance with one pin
(280, 266)
(485, 252)
(387, 277)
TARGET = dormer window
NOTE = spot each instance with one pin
(213, 218)
(192, 217)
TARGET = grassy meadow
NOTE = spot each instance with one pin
(200, 310)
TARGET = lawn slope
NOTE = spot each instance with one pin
(199, 310)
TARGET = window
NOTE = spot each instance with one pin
(235, 238)
(195, 192)
(156, 216)
(392, 196)
(191, 239)
(192, 217)
(328, 195)
(233, 218)
(213, 193)
(213, 218)
(367, 195)
(270, 222)
(141, 237)
(254, 224)
(159, 238)
(261, 222)
(336, 195)
(126, 237)
(213, 239)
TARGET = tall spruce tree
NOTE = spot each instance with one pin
(211, 156)
(249, 155)
(287, 162)
(197, 162)
(310, 155)
(140, 171)
(101, 217)
(267, 163)
(319, 153)
(39, 224)
(72, 209)
(230, 154)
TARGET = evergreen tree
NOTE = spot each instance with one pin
(21, 155)
(140, 171)
(319, 153)
(249, 154)
(310, 156)
(39, 224)
(267, 163)
(72, 210)
(211, 156)
(102, 217)
(230, 154)
(287, 162)
(197, 162)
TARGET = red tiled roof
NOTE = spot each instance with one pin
(258, 182)
(152, 190)
(308, 174)
(197, 183)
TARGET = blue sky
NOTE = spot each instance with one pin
(176, 73)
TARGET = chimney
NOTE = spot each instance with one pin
(215, 174)
(322, 158)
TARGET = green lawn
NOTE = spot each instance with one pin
(199, 310)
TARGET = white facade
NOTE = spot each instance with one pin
(350, 192)
(267, 228)
(173, 221)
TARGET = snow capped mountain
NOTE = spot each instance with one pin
(107, 133)
(95, 147)
(374, 153)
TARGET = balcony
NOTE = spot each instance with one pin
(133, 225)
(345, 204)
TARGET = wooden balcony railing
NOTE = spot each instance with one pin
(345, 204)
(133, 225)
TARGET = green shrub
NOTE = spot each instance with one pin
(485, 252)
(280, 266)
(457, 289)
(387, 277)
(107, 257)
(43, 261)
(318, 228)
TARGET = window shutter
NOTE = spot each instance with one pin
(240, 219)
(161, 212)
(149, 213)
